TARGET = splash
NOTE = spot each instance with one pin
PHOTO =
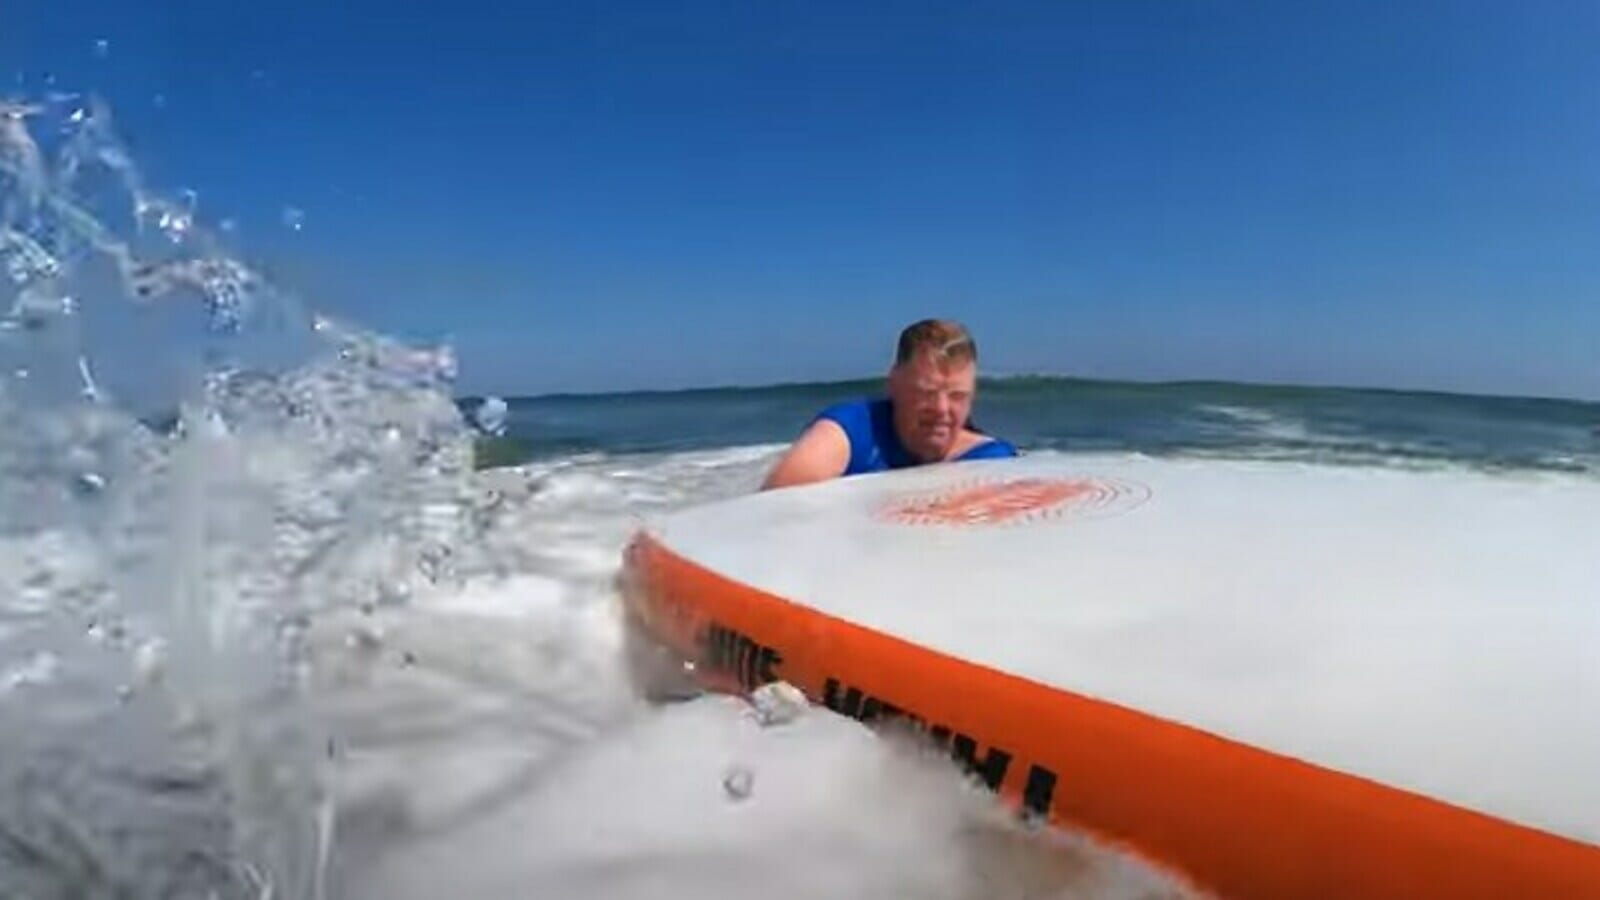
(283, 642)
(158, 581)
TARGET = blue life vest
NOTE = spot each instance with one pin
(874, 445)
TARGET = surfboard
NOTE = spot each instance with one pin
(1269, 679)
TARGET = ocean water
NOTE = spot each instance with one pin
(1334, 426)
(332, 630)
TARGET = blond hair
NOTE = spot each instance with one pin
(944, 339)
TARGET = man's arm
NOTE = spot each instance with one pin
(820, 453)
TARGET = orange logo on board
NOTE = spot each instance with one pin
(1013, 501)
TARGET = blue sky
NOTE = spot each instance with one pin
(661, 194)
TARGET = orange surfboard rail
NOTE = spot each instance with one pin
(1229, 819)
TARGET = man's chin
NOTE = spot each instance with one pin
(933, 447)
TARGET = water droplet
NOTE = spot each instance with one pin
(175, 224)
(738, 782)
(394, 593)
(778, 703)
(445, 365)
(428, 569)
(364, 639)
(294, 218)
(150, 662)
(88, 390)
(491, 415)
(159, 101)
(102, 48)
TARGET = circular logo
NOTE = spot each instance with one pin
(1014, 501)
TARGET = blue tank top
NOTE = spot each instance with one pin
(874, 445)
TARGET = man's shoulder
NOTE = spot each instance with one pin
(990, 448)
(851, 413)
(867, 429)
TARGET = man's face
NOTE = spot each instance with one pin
(931, 403)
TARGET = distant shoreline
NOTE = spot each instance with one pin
(871, 382)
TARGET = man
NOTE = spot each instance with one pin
(922, 420)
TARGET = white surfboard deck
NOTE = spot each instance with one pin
(1438, 631)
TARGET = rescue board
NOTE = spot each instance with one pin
(1271, 680)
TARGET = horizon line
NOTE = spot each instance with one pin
(1042, 376)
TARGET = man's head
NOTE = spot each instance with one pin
(931, 386)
